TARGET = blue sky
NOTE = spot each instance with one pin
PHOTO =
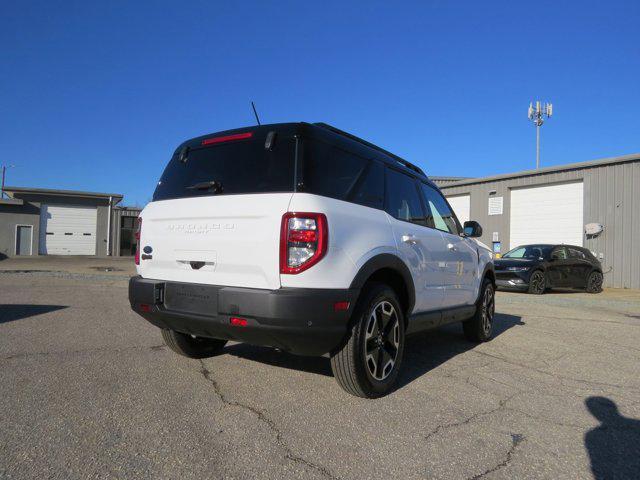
(96, 96)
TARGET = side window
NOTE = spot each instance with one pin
(368, 188)
(517, 253)
(439, 215)
(336, 173)
(559, 253)
(576, 254)
(402, 200)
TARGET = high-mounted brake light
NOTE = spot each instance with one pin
(304, 238)
(227, 138)
(137, 235)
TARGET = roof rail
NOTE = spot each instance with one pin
(400, 160)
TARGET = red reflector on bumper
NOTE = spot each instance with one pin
(341, 306)
(144, 307)
(238, 322)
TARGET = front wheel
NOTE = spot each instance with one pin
(537, 283)
(479, 328)
(368, 364)
(190, 346)
(594, 282)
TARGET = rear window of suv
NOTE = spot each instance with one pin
(242, 166)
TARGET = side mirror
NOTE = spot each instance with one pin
(472, 229)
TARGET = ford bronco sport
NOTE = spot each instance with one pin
(305, 238)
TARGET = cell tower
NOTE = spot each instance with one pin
(536, 115)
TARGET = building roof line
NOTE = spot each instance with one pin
(558, 168)
(62, 193)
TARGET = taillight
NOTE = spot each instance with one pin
(137, 235)
(303, 241)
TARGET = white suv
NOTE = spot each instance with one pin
(303, 237)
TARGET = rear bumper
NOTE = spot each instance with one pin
(297, 320)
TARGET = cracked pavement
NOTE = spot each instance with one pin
(89, 391)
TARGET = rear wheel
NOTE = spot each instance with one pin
(537, 283)
(594, 282)
(190, 346)
(479, 328)
(368, 364)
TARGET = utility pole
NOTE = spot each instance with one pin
(4, 171)
(536, 115)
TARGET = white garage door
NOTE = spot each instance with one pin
(461, 205)
(67, 230)
(548, 214)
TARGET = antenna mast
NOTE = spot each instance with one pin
(255, 113)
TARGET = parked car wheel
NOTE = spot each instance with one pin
(594, 282)
(368, 364)
(192, 347)
(479, 328)
(537, 283)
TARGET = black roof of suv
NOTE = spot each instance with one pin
(328, 133)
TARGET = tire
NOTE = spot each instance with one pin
(191, 347)
(594, 282)
(368, 363)
(479, 328)
(537, 283)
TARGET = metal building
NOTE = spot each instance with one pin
(555, 205)
(38, 221)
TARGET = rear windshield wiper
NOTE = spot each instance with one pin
(213, 185)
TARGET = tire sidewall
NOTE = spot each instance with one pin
(484, 336)
(597, 290)
(544, 279)
(377, 294)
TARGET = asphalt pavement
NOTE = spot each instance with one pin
(88, 390)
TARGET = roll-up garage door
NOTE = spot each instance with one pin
(461, 205)
(67, 230)
(547, 214)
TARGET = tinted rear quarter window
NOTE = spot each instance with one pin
(242, 166)
(333, 172)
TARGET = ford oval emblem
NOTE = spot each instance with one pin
(147, 249)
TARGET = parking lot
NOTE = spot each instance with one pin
(89, 391)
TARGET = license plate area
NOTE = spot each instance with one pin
(186, 298)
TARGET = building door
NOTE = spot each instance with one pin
(547, 214)
(24, 239)
(68, 230)
(128, 242)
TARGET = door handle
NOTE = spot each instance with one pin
(410, 239)
(452, 247)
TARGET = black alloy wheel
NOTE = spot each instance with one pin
(382, 340)
(594, 282)
(479, 328)
(367, 364)
(537, 283)
(488, 310)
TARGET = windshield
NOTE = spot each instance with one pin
(243, 166)
(529, 251)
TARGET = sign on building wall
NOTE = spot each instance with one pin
(495, 205)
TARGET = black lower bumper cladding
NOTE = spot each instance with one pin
(298, 320)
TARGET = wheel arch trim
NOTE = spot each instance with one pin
(388, 261)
